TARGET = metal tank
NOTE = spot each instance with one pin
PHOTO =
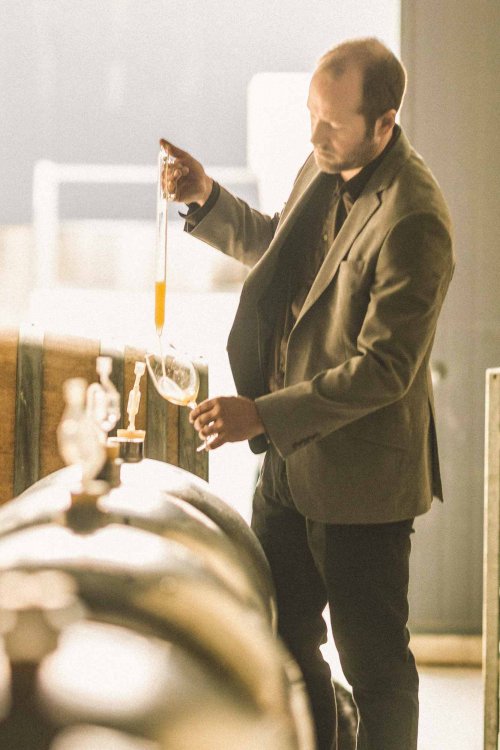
(168, 501)
(140, 599)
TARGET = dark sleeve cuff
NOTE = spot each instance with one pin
(196, 213)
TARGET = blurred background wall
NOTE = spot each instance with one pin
(452, 53)
(95, 81)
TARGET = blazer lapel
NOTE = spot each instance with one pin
(260, 277)
(360, 214)
(253, 324)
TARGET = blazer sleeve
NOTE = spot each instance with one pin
(411, 277)
(236, 229)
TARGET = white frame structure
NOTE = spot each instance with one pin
(491, 594)
(49, 176)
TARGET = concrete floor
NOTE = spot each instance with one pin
(451, 709)
(451, 705)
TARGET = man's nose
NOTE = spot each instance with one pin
(318, 133)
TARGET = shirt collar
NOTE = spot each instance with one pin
(355, 186)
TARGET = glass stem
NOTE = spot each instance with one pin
(203, 447)
(162, 358)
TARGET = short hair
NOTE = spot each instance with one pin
(384, 76)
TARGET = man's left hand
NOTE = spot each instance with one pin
(226, 419)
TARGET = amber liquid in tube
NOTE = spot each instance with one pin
(161, 246)
(160, 290)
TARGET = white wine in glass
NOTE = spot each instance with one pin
(176, 379)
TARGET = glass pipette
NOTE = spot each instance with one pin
(161, 246)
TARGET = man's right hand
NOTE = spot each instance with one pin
(185, 180)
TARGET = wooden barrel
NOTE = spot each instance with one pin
(34, 366)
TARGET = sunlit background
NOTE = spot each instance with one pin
(87, 90)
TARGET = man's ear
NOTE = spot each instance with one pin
(386, 122)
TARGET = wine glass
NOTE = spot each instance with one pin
(175, 378)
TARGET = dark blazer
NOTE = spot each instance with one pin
(355, 421)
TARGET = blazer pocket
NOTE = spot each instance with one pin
(389, 427)
(384, 440)
(351, 278)
(353, 298)
(354, 267)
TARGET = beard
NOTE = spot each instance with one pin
(332, 162)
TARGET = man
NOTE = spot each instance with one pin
(330, 355)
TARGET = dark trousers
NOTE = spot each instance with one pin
(361, 571)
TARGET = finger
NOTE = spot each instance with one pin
(173, 178)
(172, 187)
(213, 428)
(216, 443)
(174, 150)
(204, 420)
(173, 171)
(176, 169)
(202, 407)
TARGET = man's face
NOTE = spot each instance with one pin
(338, 130)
